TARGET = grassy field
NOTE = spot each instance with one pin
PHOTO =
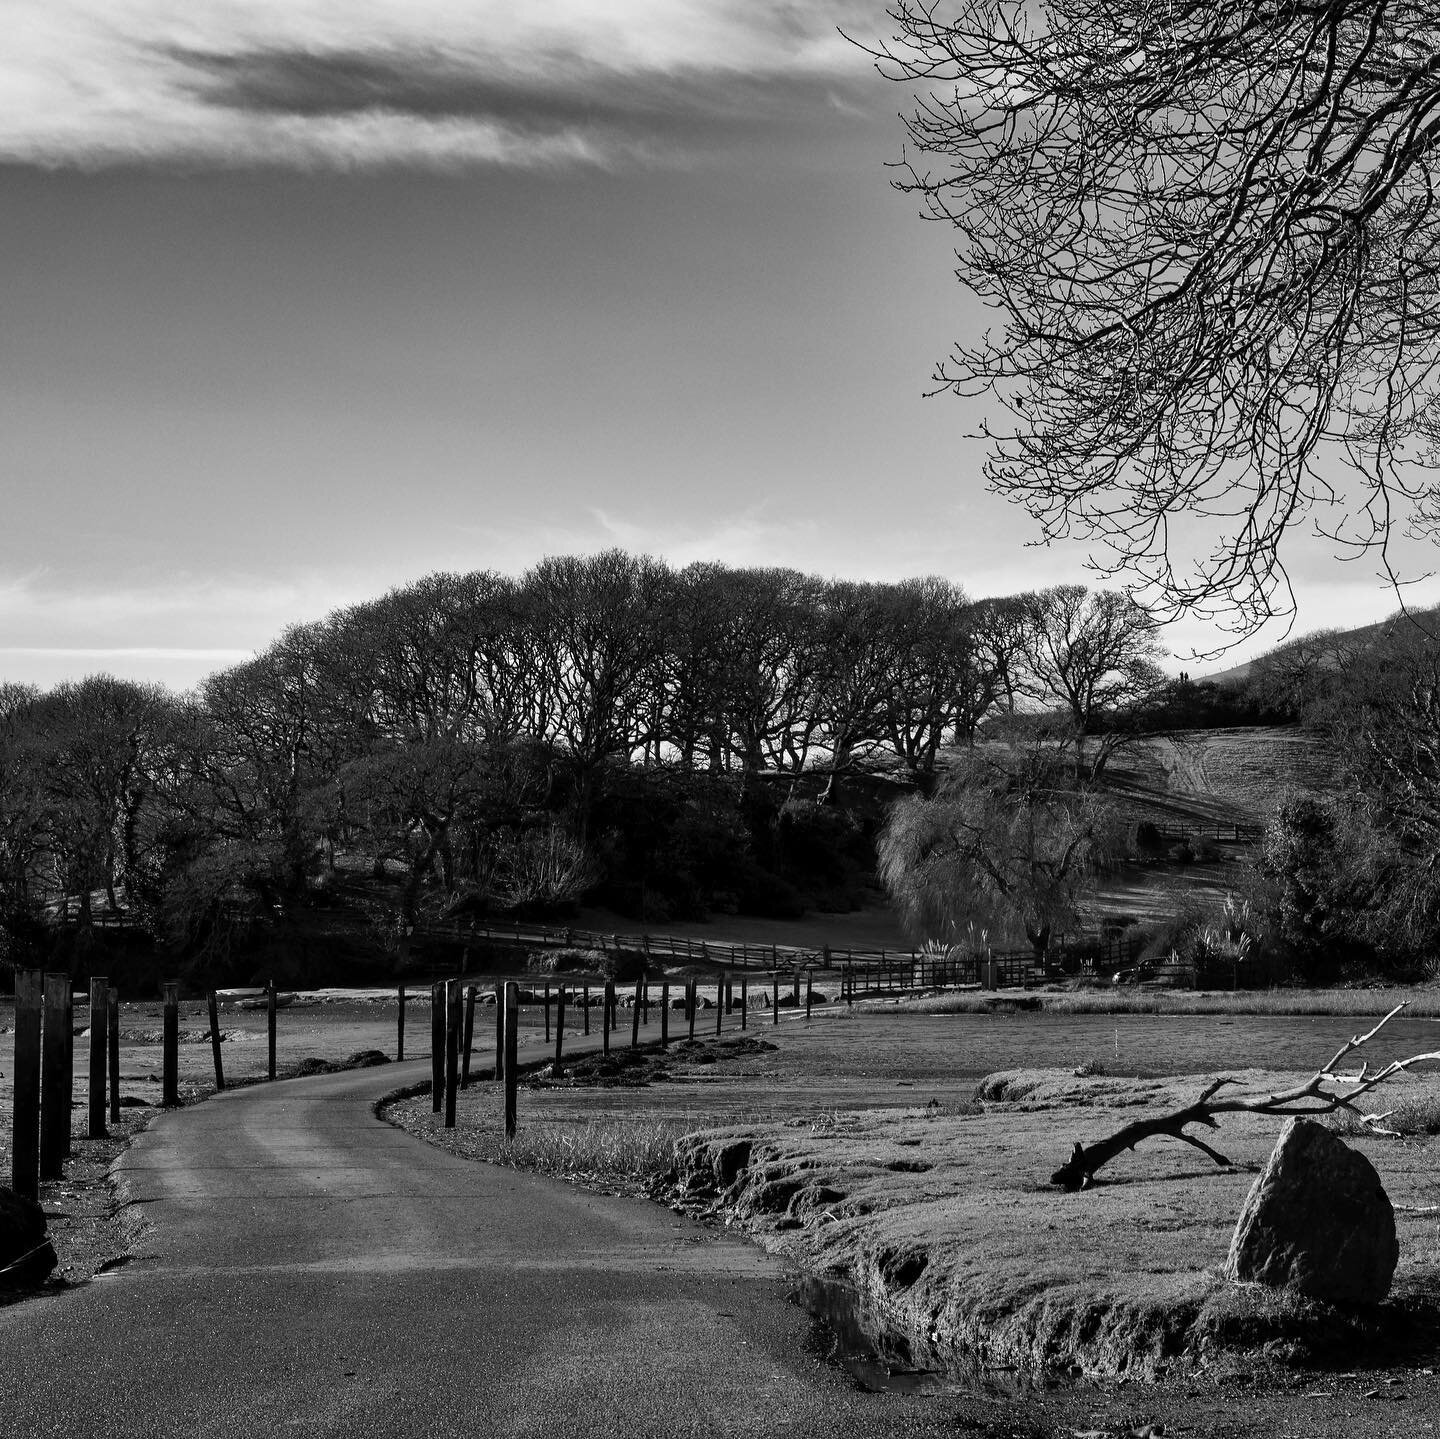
(856, 1146)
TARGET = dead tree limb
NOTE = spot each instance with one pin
(1323, 1093)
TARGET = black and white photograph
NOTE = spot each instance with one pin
(720, 719)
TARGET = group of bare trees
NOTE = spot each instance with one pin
(464, 734)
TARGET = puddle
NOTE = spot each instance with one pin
(883, 1359)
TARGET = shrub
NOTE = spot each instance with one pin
(565, 961)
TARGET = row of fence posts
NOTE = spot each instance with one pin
(452, 1027)
(44, 1065)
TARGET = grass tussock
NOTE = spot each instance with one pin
(630, 1152)
(1422, 1003)
(1411, 1116)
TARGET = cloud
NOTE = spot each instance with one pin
(351, 83)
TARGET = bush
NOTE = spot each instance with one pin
(565, 961)
(1181, 854)
(1149, 842)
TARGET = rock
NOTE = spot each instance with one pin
(25, 1253)
(1317, 1220)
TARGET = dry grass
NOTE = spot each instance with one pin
(1421, 1003)
(629, 1152)
(946, 1222)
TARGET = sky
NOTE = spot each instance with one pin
(303, 299)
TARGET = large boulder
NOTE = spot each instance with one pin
(1317, 1220)
(25, 1253)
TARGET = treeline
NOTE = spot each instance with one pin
(665, 741)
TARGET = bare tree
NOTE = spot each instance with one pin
(1091, 655)
(1211, 233)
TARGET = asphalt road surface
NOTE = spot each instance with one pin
(309, 1269)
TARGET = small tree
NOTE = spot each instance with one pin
(1007, 842)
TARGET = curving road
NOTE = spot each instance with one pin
(309, 1269)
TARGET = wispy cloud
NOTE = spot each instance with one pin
(348, 83)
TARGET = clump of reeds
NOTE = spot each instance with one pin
(629, 1153)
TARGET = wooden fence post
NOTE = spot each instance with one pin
(112, 1024)
(99, 1039)
(744, 1001)
(608, 1000)
(54, 1101)
(692, 993)
(170, 1061)
(511, 1009)
(400, 1029)
(719, 1003)
(635, 1016)
(664, 1012)
(585, 1006)
(500, 992)
(452, 1048)
(470, 996)
(547, 1011)
(271, 1006)
(437, 1048)
(559, 1027)
(25, 1121)
(214, 1005)
(67, 1072)
(774, 996)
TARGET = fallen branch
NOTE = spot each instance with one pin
(1323, 1093)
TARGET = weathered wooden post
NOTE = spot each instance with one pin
(271, 1005)
(170, 1046)
(437, 1047)
(25, 1120)
(559, 1027)
(585, 1008)
(809, 991)
(719, 1003)
(665, 1012)
(112, 1024)
(547, 1011)
(500, 991)
(775, 997)
(470, 996)
(54, 1096)
(744, 1002)
(214, 1006)
(511, 1009)
(452, 1048)
(99, 1039)
(400, 1028)
(635, 1015)
(692, 995)
(607, 1001)
(67, 1070)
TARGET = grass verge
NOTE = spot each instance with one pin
(1422, 1003)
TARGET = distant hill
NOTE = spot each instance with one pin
(1219, 776)
(1360, 637)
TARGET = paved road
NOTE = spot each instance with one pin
(310, 1269)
